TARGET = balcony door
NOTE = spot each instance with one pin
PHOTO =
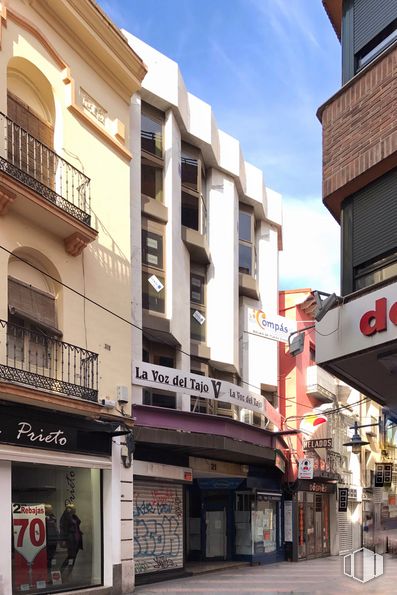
(30, 142)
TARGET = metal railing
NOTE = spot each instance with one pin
(31, 357)
(32, 163)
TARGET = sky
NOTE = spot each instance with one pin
(265, 67)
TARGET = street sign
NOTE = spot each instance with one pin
(343, 499)
(379, 475)
(387, 474)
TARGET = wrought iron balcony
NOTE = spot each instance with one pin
(29, 356)
(34, 165)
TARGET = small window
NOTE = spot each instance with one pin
(197, 307)
(152, 249)
(159, 399)
(151, 134)
(153, 296)
(246, 241)
(197, 286)
(189, 173)
(190, 211)
(152, 181)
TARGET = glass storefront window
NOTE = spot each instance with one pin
(258, 529)
(264, 525)
(57, 530)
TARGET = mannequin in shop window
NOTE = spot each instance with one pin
(52, 534)
(71, 536)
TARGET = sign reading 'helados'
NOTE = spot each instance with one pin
(272, 326)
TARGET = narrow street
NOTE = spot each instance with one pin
(323, 576)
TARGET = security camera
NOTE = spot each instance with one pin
(108, 403)
(122, 395)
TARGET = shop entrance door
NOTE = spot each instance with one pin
(215, 521)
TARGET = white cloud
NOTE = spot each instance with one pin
(311, 239)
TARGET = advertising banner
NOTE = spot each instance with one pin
(306, 468)
(29, 541)
(161, 377)
(272, 326)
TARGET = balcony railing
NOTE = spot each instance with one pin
(33, 164)
(32, 358)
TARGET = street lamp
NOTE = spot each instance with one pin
(356, 441)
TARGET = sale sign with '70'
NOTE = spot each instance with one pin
(29, 541)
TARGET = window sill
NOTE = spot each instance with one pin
(248, 286)
(154, 209)
(197, 244)
(199, 349)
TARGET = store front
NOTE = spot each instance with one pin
(52, 497)
(312, 503)
(235, 518)
(159, 530)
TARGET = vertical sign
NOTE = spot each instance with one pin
(288, 520)
(387, 474)
(343, 499)
(379, 475)
(29, 540)
(305, 470)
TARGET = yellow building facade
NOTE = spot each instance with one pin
(66, 79)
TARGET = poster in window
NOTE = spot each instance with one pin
(29, 544)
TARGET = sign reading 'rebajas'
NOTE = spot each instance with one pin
(161, 377)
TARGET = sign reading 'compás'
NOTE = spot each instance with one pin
(171, 379)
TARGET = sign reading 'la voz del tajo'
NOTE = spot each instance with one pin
(171, 379)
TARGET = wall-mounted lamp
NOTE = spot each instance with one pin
(356, 442)
(323, 306)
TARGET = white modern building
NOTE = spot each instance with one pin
(205, 234)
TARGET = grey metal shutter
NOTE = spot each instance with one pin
(375, 219)
(158, 527)
(370, 18)
(345, 531)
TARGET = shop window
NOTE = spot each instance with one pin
(193, 203)
(153, 277)
(197, 306)
(246, 241)
(57, 528)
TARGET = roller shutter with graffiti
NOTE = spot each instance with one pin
(158, 527)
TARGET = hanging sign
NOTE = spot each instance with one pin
(306, 467)
(29, 541)
(270, 326)
(145, 374)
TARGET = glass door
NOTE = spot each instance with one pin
(310, 525)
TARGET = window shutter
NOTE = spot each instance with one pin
(34, 305)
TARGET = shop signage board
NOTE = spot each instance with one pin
(22, 426)
(316, 487)
(29, 542)
(317, 443)
(305, 470)
(172, 379)
(270, 326)
(367, 321)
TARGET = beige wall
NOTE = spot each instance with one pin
(102, 270)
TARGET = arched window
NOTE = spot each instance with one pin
(31, 113)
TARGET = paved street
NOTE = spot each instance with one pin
(315, 576)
